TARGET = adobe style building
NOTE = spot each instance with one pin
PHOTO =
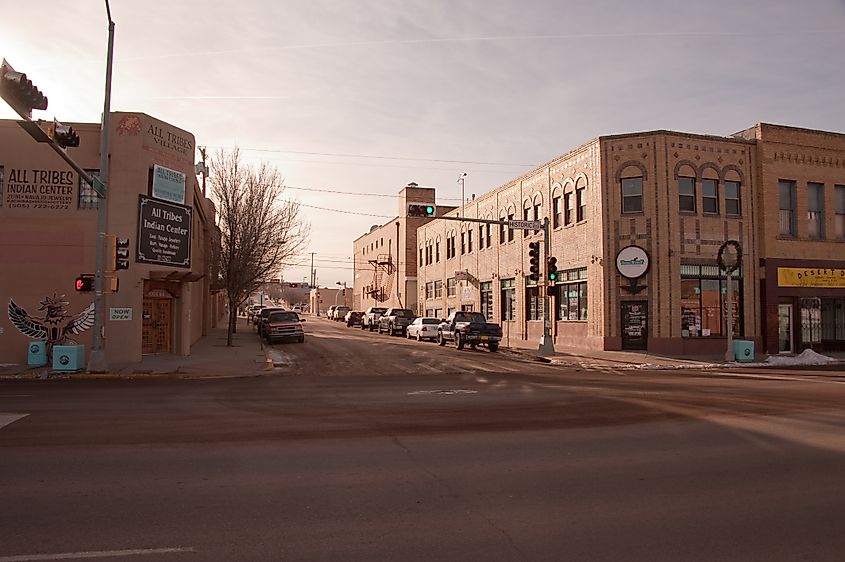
(636, 224)
(48, 231)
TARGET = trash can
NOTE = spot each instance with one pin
(36, 355)
(68, 357)
(744, 351)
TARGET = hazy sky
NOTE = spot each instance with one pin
(364, 96)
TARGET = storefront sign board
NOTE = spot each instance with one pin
(811, 277)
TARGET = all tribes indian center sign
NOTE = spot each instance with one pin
(811, 277)
(164, 233)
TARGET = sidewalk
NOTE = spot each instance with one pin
(210, 358)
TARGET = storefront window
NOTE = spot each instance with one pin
(704, 302)
(508, 300)
(533, 302)
(486, 289)
(571, 295)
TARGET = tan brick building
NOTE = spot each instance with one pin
(48, 222)
(669, 199)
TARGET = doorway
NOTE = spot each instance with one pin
(156, 327)
(635, 325)
(785, 328)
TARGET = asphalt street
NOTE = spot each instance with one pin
(361, 446)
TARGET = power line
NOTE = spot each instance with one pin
(341, 211)
(318, 190)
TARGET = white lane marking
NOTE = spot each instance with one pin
(795, 378)
(95, 554)
(6, 419)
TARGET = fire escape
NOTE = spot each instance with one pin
(383, 271)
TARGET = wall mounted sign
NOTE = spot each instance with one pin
(164, 233)
(632, 262)
(124, 313)
(811, 277)
(30, 188)
(168, 185)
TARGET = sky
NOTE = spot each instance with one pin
(352, 100)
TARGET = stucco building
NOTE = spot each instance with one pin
(663, 203)
(48, 221)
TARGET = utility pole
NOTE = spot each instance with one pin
(313, 273)
(398, 294)
(204, 170)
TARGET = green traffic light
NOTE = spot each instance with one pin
(429, 210)
(552, 276)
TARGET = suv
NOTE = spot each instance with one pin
(340, 313)
(330, 312)
(283, 325)
(353, 318)
(395, 320)
(261, 316)
(371, 316)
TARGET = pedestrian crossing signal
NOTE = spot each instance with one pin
(85, 283)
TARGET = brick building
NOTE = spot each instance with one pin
(48, 230)
(664, 202)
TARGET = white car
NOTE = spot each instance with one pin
(423, 328)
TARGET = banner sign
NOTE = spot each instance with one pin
(811, 277)
(168, 185)
(164, 233)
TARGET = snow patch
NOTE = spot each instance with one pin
(807, 357)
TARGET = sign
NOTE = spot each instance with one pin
(811, 277)
(467, 293)
(99, 187)
(120, 314)
(168, 185)
(729, 256)
(525, 225)
(31, 188)
(164, 233)
(632, 262)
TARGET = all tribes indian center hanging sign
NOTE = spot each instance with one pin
(811, 277)
(164, 233)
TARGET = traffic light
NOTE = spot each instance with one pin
(62, 135)
(421, 209)
(551, 271)
(85, 283)
(121, 254)
(19, 92)
(534, 260)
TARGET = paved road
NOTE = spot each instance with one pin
(367, 447)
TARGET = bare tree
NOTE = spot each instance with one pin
(260, 229)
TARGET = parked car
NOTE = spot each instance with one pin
(262, 316)
(283, 325)
(252, 310)
(469, 328)
(423, 328)
(371, 316)
(330, 312)
(340, 313)
(354, 318)
(395, 321)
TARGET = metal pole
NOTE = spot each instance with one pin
(97, 362)
(312, 270)
(729, 353)
(398, 294)
(547, 347)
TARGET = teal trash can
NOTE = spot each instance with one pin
(68, 358)
(744, 351)
(36, 355)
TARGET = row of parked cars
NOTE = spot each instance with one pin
(461, 327)
(275, 323)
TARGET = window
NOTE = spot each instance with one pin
(533, 302)
(437, 251)
(486, 290)
(429, 290)
(537, 212)
(503, 228)
(1, 186)
(469, 241)
(438, 289)
(463, 242)
(87, 196)
(510, 230)
(571, 295)
(787, 216)
(710, 196)
(508, 300)
(481, 237)
(556, 212)
(632, 195)
(450, 246)
(815, 210)
(686, 195)
(839, 225)
(733, 206)
(567, 206)
(581, 204)
(487, 230)
(421, 257)
(526, 213)
(451, 287)
(704, 301)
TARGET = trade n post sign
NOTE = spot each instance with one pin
(164, 233)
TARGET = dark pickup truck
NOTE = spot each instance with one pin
(469, 328)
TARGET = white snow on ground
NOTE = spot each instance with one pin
(807, 357)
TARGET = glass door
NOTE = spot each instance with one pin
(784, 328)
